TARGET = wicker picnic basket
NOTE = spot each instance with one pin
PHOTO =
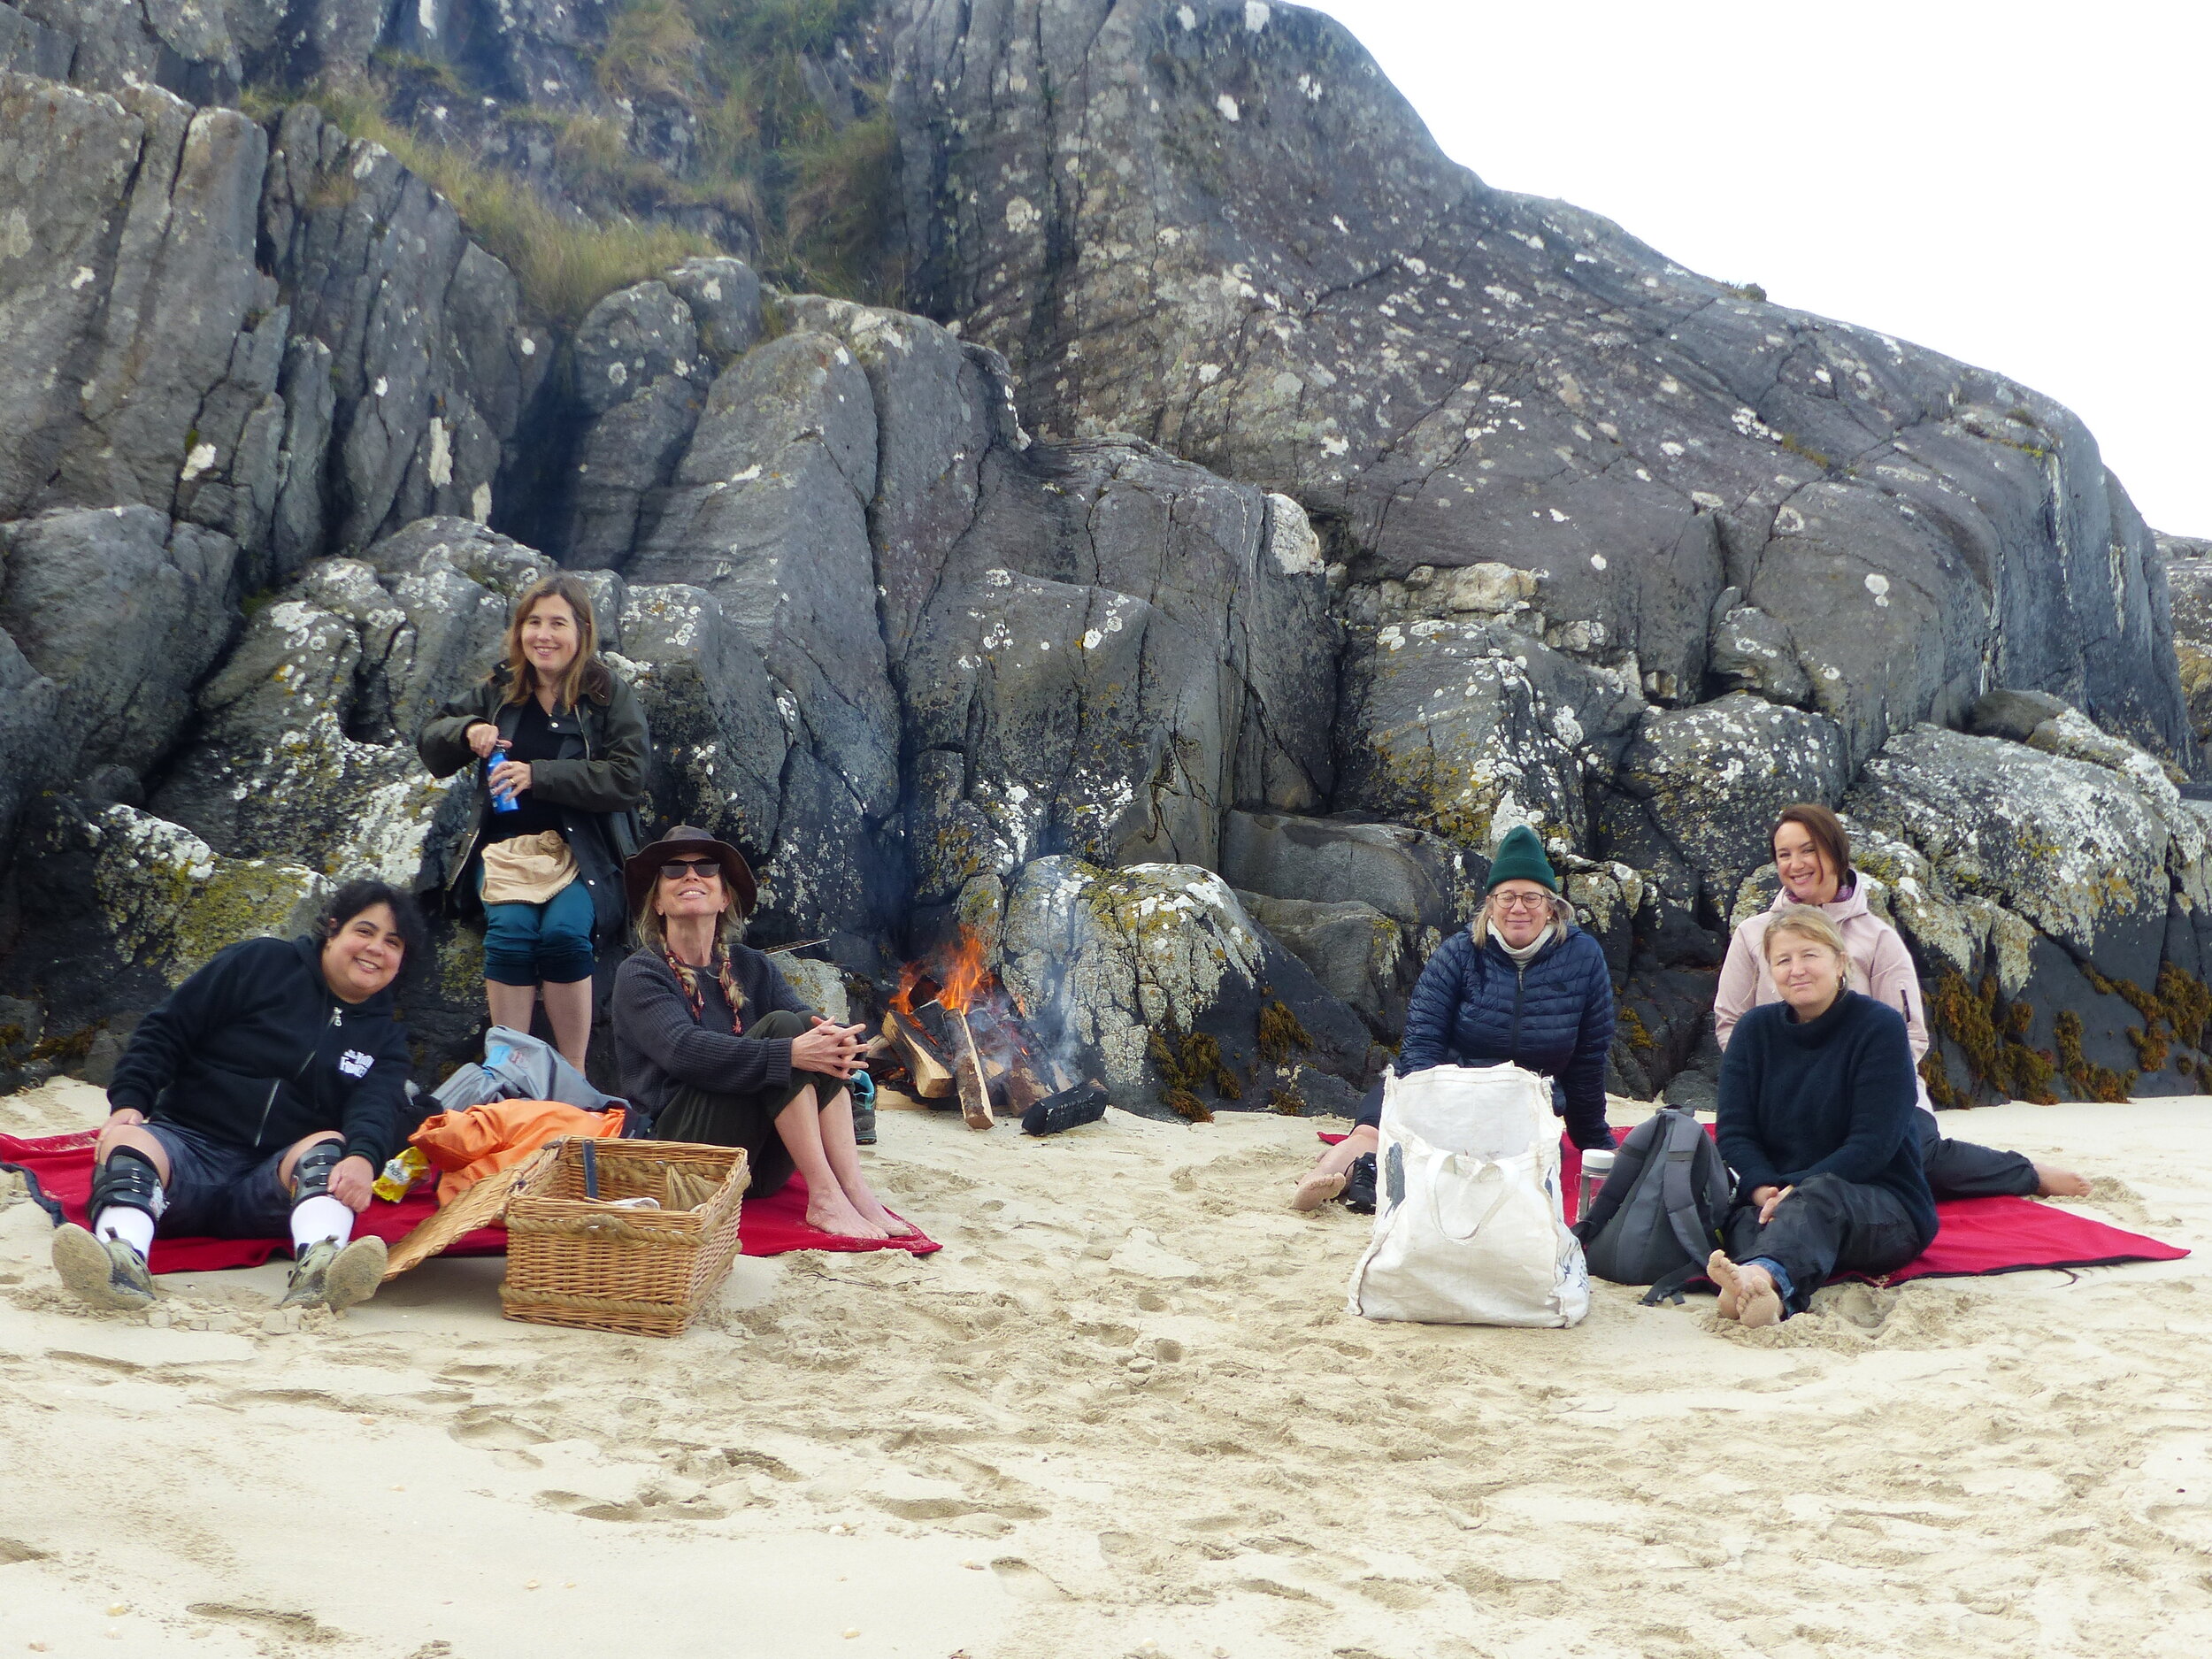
(571, 1260)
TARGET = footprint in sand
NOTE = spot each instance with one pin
(492, 1432)
(268, 1620)
(1023, 1582)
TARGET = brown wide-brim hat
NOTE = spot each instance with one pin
(684, 841)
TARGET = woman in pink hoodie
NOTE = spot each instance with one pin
(1812, 854)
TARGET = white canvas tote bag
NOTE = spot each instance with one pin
(1468, 1228)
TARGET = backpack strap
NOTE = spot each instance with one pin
(1628, 1164)
(1680, 1151)
(1670, 1288)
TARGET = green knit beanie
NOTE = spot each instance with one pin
(1521, 858)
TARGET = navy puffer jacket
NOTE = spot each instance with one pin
(1474, 1007)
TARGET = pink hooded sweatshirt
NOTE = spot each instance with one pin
(1880, 966)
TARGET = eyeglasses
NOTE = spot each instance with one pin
(1521, 901)
(682, 867)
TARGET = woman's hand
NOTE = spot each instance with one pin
(1768, 1199)
(510, 778)
(126, 1117)
(833, 1050)
(482, 736)
(350, 1183)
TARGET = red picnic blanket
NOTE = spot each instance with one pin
(1976, 1236)
(63, 1164)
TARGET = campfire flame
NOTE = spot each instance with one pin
(964, 974)
(912, 978)
(953, 1021)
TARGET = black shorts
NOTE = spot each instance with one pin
(219, 1190)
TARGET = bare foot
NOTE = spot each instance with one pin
(2050, 1183)
(869, 1205)
(1721, 1272)
(836, 1214)
(1316, 1189)
(1747, 1295)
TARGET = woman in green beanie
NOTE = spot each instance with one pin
(1521, 983)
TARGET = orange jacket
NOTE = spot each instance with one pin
(470, 1145)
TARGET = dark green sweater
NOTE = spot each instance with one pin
(1829, 1096)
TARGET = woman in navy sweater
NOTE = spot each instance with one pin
(1816, 1103)
(1522, 985)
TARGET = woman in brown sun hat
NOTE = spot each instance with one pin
(713, 1042)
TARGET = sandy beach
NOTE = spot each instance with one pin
(1122, 1412)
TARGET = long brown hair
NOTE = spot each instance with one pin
(585, 676)
(1829, 836)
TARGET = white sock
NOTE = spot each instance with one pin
(134, 1227)
(317, 1218)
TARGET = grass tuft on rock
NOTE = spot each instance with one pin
(565, 263)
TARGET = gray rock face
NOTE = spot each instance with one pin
(1215, 225)
(724, 297)
(1466, 728)
(1115, 656)
(526, 52)
(2013, 714)
(1107, 961)
(719, 742)
(160, 343)
(2075, 848)
(1750, 651)
(638, 375)
(305, 750)
(194, 49)
(429, 360)
(1420, 881)
(769, 512)
(1710, 780)
(118, 613)
(126, 906)
(1358, 954)
(2189, 577)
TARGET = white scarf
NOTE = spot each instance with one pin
(1522, 955)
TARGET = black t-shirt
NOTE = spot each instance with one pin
(534, 740)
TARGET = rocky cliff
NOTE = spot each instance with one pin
(1254, 516)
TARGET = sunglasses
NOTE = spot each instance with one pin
(682, 867)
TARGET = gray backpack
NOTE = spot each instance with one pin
(1659, 1215)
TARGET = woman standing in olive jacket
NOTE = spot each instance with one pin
(561, 749)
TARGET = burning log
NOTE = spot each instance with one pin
(924, 1059)
(961, 1035)
(975, 1088)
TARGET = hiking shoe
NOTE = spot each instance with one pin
(864, 1122)
(100, 1272)
(329, 1276)
(1359, 1186)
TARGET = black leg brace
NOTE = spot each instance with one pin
(311, 1172)
(128, 1179)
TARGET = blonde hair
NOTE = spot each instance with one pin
(585, 675)
(1815, 923)
(1562, 913)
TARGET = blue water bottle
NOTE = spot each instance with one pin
(500, 802)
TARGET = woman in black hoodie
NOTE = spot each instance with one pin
(1816, 1103)
(262, 1094)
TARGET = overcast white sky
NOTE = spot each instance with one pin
(2022, 186)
